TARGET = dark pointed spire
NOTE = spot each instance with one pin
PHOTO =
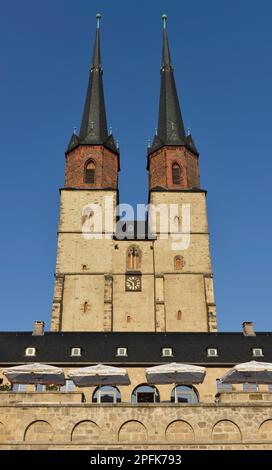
(94, 122)
(94, 129)
(170, 129)
(166, 58)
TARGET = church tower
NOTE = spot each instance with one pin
(183, 278)
(91, 178)
(105, 282)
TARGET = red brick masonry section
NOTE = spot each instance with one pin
(160, 168)
(106, 167)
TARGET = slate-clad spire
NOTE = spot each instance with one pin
(170, 129)
(94, 129)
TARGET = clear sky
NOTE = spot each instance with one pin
(222, 56)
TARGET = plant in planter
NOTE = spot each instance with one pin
(52, 388)
(5, 388)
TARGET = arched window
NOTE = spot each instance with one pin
(106, 394)
(133, 258)
(184, 394)
(145, 394)
(176, 173)
(90, 172)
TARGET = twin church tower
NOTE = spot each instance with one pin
(132, 285)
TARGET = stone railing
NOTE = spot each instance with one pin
(40, 397)
(243, 397)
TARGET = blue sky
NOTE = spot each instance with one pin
(221, 52)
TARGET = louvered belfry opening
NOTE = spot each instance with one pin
(176, 173)
(90, 173)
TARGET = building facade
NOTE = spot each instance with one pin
(131, 288)
(126, 294)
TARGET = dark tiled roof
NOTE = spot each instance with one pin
(143, 348)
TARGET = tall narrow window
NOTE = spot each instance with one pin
(178, 262)
(90, 173)
(133, 258)
(176, 173)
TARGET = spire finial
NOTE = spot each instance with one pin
(98, 18)
(164, 18)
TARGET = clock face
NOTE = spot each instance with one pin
(133, 283)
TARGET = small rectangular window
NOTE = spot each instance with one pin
(212, 352)
(257, 352)
(167, 352)
(30, 352)
(76, 352)
(121, 352)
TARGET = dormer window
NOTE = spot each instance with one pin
(30, 352)
(212, 352)
(257, 352)
(121, 352)
(167, 352)
(76, 352)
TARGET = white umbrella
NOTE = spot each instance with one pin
(99, 375)
(249, 372)
(175, 373)
(35, 374)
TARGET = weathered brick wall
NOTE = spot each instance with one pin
(106, 167)
(160, 168)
